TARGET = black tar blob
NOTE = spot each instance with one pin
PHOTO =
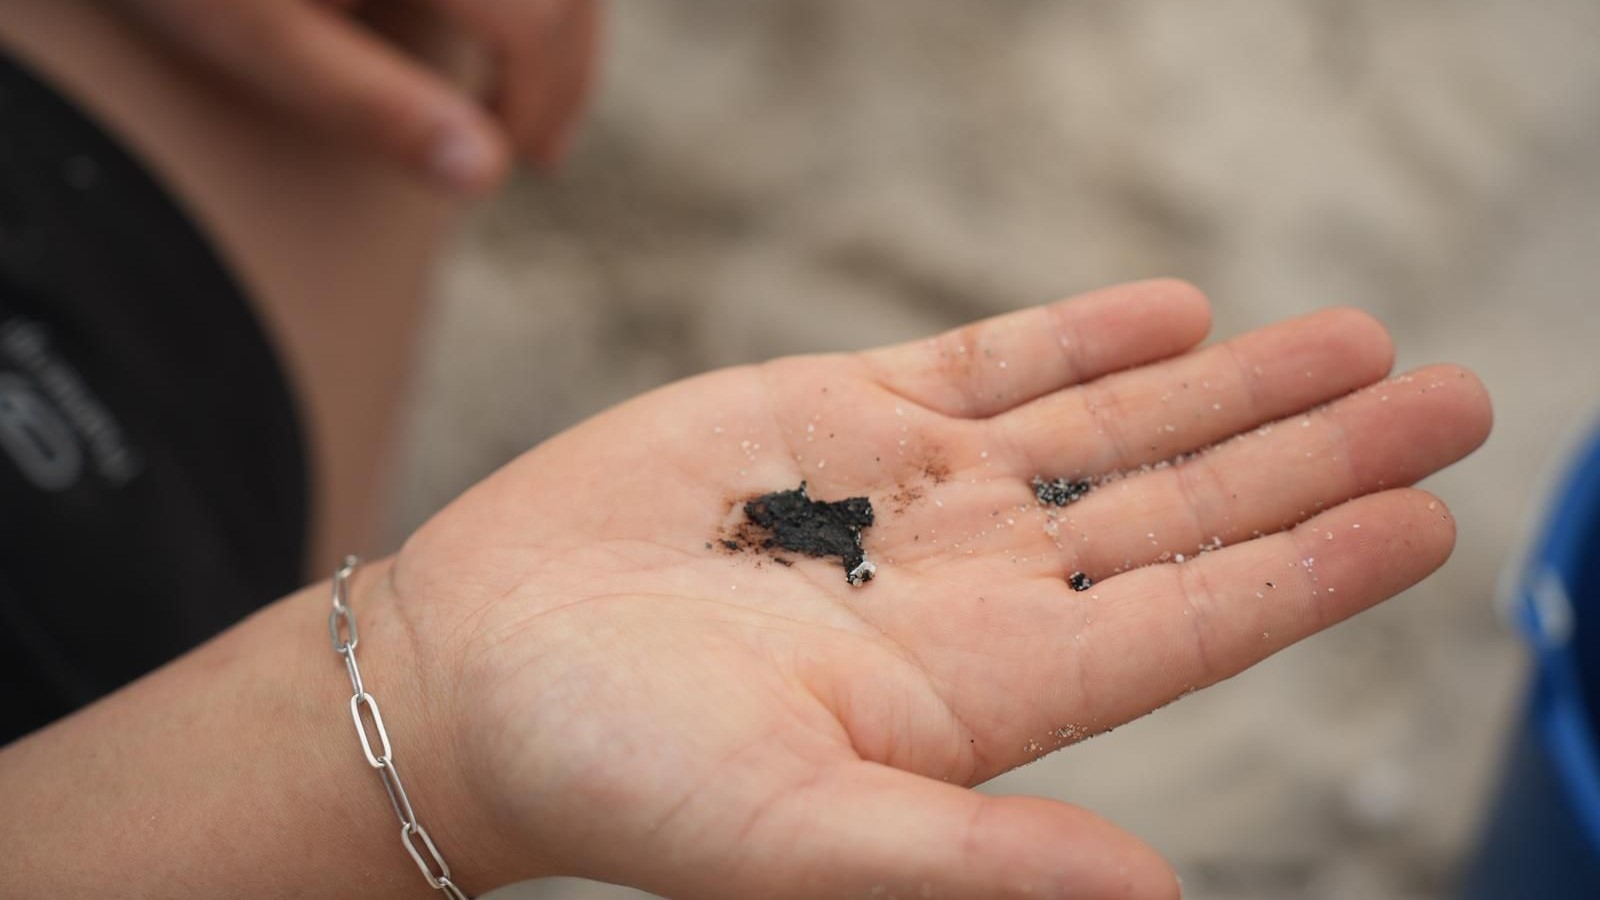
(796, 522)
(1079, 581)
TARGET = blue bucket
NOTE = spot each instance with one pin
(1542, 838)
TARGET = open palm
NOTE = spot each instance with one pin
(637, 702)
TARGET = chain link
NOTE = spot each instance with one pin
(345, 637)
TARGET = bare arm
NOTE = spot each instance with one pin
(236, 772)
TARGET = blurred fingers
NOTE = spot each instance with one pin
(316, 63)
(546, 53)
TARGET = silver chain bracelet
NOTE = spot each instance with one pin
(342, 629)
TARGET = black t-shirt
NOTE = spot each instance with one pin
(152, 476)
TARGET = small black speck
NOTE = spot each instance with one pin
(1060, 491)
(708, 545)
(1271, 585)
(731, 545)
(1080, 581)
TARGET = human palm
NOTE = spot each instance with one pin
(639, 703)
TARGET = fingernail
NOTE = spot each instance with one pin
(462, 159)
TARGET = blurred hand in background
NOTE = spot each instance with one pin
(450, 89)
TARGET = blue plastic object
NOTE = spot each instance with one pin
(1542, 838)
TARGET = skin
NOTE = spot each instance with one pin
(334, 65)
(575, 684)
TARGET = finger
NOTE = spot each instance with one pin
(872, 831)
(546, 128)
(1391, 435)
(1154, 413)
(1159, 632)
(988, 367)
(316, 63)
(546, 52)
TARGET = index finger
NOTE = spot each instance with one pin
(313, 62)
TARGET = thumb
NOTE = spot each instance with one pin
(871, 831)
(316, 63)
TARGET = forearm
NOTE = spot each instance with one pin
(236, 772)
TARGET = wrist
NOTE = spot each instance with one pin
(414, 682)
(236, 771)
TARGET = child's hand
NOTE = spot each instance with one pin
(635, 706)
(315, 59)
